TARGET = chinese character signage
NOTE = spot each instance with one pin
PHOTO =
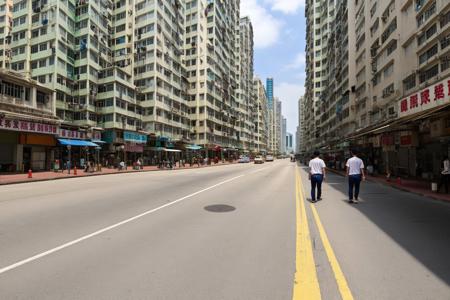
(134, 137)
(71, 134)
(429, 97)
(27, 126)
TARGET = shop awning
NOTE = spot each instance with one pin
(171, 150)
(193, 147)
(80, 143)
(98, 141)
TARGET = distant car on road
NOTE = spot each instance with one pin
(258, 160)
(269, 158)
(244, 159)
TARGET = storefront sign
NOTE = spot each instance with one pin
(429, 97)
(134, 137)
(387, 140)
(96, 135)
(406, 140)
(71, 134)
(26, 126)
(134, 148)
(376, 141)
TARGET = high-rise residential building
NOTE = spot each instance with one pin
(269, 90)
(211, 41)
(283, 134)
(6, 22)
(289, 143)
(262, 127)
(387, 71)
(83, 50)
(278, 126)
(145, 72)
(245, 93)
(300, 135)
(160, 74)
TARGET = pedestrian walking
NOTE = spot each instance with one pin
(445, 174)
(316, 176)
(355, 173)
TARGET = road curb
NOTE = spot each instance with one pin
(105, 174)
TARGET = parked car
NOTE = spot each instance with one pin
(258, 160)
(244, 159)
(269, 158)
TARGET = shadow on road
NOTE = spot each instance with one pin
(418, 224)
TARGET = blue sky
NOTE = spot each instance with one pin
(279, 29)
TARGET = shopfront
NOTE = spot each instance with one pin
(26, 144)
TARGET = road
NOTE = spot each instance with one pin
(231, 232)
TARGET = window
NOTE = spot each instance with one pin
(388, 71)
(409, 82)
(423, 17)
(429, 73)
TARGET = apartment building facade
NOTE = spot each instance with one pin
(246, 99)
(6, 22)
(262, 124)
(146, 74)
(389, 100)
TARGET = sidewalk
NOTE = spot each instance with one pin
(51, 175)
(419, 187)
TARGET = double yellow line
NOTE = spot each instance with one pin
(306, 284)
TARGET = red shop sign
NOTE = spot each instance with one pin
(406, 140)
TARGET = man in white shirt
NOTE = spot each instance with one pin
(445, 174)
(355, 173)
(317, 176)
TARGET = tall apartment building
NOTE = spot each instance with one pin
(167, 71)
(269, 89)
(262, 125)
(283, 148)
(245, 93)
(317, 27)
(83, 50)
(6, 22)
(387, 68)
(278, 126)
(300, 134)
(159, 70)
(211, 44)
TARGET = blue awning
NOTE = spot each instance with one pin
(193, 147)
(98, 141)
(67, 142)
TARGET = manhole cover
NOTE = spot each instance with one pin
(220, 208)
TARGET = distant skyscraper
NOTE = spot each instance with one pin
(269, 90)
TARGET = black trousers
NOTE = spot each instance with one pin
(445, 178)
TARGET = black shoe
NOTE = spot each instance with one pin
(350, 201)
(355, 201)
(313, 201)
(319, 199)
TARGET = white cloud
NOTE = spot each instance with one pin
(299, 61)
(286, 6)
(267, 29)
(289, 93)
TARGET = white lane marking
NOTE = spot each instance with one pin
(98, 232)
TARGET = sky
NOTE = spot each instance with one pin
(279, 35)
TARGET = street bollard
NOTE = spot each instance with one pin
(30, 173)
(75, 169)
(399, 181)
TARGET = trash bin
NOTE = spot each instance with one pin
(434, 187)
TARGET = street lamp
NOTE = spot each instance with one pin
(68, 163)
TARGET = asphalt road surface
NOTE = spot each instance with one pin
(230, 232)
